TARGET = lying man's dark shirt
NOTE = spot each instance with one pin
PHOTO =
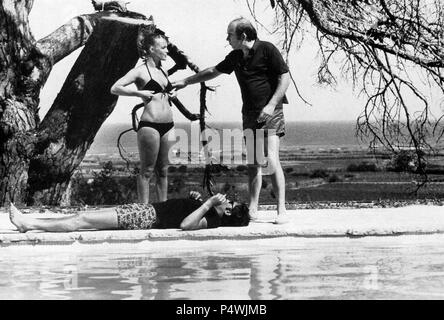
(171, 213)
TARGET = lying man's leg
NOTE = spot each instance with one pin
(105, 219)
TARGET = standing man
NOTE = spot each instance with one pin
(263, 78)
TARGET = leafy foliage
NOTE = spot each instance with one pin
(104, 188)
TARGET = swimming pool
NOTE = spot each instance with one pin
(404, 267)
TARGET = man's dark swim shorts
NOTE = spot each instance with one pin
(273, 125)
(253, 130)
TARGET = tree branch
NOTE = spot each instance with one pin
(76, 32)
(363, 31)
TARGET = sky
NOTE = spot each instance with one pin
(199, 27)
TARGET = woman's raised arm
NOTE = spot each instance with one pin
(122, 86)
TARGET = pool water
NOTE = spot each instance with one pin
(405, 267)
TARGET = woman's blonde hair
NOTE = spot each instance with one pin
(148, 33)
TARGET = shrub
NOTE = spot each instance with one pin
(300, 174)
(176, 186)
(241, 168)
(172, 169)
(182, 169)
(227, 187)
(404, 161)
(319, 173)
(216, 169)
(231, 191)
(289, 170)
(362, 167)
(334, 178)
(104, 188)
(199, 169)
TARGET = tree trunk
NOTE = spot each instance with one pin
(76, 32)
(19, 90)
(24, 67)
(80, 109)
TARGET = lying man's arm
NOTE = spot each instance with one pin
(196, 220)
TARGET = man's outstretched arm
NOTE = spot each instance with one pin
(204, 75)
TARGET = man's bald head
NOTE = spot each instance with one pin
(244, 26)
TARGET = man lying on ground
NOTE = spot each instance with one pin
(186, 213)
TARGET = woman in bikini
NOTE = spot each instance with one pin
(187, 214)
(156, 123)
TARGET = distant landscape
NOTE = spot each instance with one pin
(323, 162)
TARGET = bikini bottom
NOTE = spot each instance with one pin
(162, 128)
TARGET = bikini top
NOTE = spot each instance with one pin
(154, 86)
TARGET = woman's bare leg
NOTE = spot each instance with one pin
(161, 169)
(148, 142)
(105, 219)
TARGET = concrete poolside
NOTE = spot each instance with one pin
(340, 222)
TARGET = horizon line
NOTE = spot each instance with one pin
(239, 121)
